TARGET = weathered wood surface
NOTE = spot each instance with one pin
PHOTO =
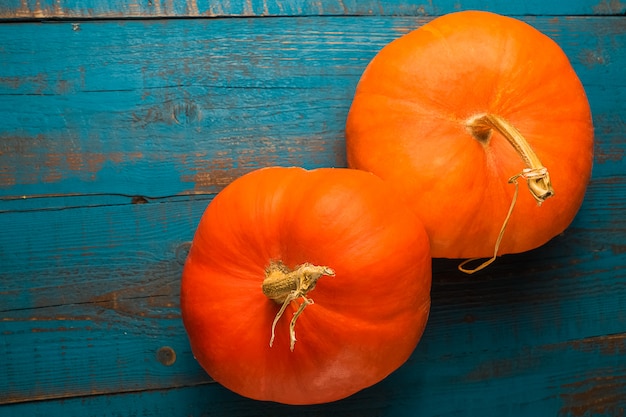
(160, 108)
(115, 135)
(39, 9)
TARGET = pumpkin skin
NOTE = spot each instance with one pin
(366, 319)
(408, 124)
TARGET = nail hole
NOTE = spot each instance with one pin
(166, 355)
(469, 318)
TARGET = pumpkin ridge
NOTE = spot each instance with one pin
(476, 63)
(324, 217)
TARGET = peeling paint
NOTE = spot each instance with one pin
(607, 345)
(192, 8)
(42, 9)
(596, 395)
(593, 57)
(214, 180)
(504, 367)
(609, 7)
(41, 159)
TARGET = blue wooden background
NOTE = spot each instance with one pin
(119, 121)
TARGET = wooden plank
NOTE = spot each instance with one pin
(101, 299)
(88, 329)
(188, 105)
(71, 9)
(99, 302)
(513, 386)
(599, 394)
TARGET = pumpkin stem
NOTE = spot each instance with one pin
(283, 286)
(535, 174)
(539, 185)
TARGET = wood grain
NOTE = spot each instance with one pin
(68, 9)
(102, 298)
(196, 104)
(115, 135)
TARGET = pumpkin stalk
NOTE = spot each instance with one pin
(535, 174)
(283, 286)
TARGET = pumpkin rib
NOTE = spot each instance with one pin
(473, 63)
(363, 323)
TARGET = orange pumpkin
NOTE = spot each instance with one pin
(455, 113)
(277, 239)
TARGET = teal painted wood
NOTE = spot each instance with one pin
(115, 135)
(161, 108)
(40, 9)
(540, 332)
(402, 394)
(99, 301)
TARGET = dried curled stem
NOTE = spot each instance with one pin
(284, 286)
(526, 174)
(535, 174)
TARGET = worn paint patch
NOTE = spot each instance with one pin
(214, 180)
(613, 154)
(41, 83)
(593, 57)
(609, 7)
(504, 367)
(595, 396)
(609, 146)
(193, 8)
(155, 295)
(41, 159)
(210, 175)
(607, 345)
(618, 250)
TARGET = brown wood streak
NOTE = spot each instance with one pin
(613, 344)
(155, 296)
(593, 395)
(608, 7)
(131, 10)
(59, 160)
(597, 395)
